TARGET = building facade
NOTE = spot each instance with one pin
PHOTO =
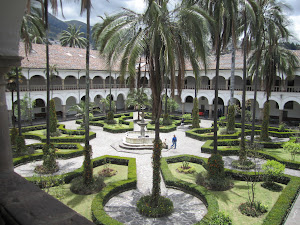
(68, 85)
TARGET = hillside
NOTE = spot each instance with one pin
(56, 26)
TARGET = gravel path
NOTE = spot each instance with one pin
(188, 209)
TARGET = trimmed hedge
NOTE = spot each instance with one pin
(273, 131)
(200, 192)
(165, 129)
(62, 128)
(201, 134)
(99, 121)
(67, 177)
(234, 150)
(99, 216)
(276, 215)
(75, 151)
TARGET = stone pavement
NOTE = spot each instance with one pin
(106, 144)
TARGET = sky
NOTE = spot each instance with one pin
(101, 7)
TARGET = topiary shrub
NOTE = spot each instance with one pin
(264, 134)
(292, 148)
(110, 118)
(231, 120)
(273, 170)
(166, 120)
(49, 165)
(79, 187)
(220, 218)
(195, 114)
(282, 127)
(20, 145)
(214, 178)
(215, 166)
(13, 135)
(165, 207)
(53, 119)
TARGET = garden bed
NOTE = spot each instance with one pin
(223, 201)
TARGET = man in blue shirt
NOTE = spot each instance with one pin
(174, 141)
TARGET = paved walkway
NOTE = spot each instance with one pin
(106, 144)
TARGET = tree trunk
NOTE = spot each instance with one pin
(242, 153)
(218, 50)
(88, 168)
(254, 100)
(13, 109)
(232, 75)
(18, 100)
(47, 73)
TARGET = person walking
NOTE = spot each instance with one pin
(174, 142)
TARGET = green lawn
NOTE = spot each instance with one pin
(230, 200)
(280, 152)
(58, 150)
(43, 133)
(82, 203)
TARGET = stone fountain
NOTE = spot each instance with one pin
(139, 140)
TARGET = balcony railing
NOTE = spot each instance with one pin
(191, 87)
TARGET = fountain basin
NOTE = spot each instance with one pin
(135, 138)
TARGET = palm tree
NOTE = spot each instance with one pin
(223, 12)
(88, 168)
(137, 97)
(72, 37)
(270, 23)
(32, 27)
(53, 72)
(80, 109)
(10, 78)
(165, 38)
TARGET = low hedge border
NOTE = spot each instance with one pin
(200, 192)
(165, 129)
(273, 131)
(67, 177)
(277, 214)
(201, 134)
(62, 128)
(99, 216)
(77, 150)
(234, 150)
(99, 121)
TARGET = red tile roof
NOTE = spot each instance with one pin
(74, 58)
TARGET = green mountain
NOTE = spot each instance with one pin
(56, 26)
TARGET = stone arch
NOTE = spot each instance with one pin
(107, 81)
(70, 101)
(70, 82)
(221, 107)
(291, 111)
(81, 82)
(58, 106)
(189, 82)
(203, 105)
(39, 108)
(204, 83)
(120, 104)
(37, 83)
(97, 102)
(188, 104)
(98, 82)
(221, 84)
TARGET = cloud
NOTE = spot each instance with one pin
(295, 7)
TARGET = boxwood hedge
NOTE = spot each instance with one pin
(276, 215)
(75, 150)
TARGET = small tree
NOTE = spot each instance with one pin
(272, 169)
(292, 148)
(53, 118)
(195, 114)
(231, 119)
(80, 109)
(264, 135)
